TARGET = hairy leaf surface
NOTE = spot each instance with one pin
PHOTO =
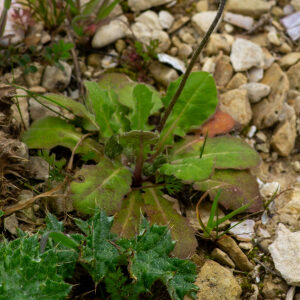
(50, 132)
(195, 105)
(76, 108)
(150, 262)
(98, 255)
(160, 211)
(143, 104)
(100, 186)
(123, 86)
(226, 151)
(238, 188)
(103, 108)
(189, 169)
(127, 220)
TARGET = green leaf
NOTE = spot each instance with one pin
(62, 239)
(112, 148)
(100, 186)
(189, 169)
(123, 86)
(74, 107)
(238, 188)
(1, 213)
(98, 255)
(150, 262)
(50, 132)
(104, 11)
(227, 152)
(143, 104)
(127, 220)
(134, 138)
(52, 224)
(195, 105)
(103, 108)
(28, 274)
(160, 211)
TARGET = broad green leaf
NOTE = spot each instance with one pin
(76, 108)
(100, 186)
(197, 102)
(190, 168)
(160, 211)
(64, 240)
(25, 273)
(143, 104)
(238, 188)
(227, 152)
(150, 262)
(50, 132)
(127, 220)
(103, 108)
(99, 256)
(52, 224)
(1, 213)
(123, 86)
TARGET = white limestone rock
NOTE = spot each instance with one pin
(245, 55)
(256, 91)
(202, 21)
(138, 5)
(285, 251)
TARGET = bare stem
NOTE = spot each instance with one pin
(191, 65)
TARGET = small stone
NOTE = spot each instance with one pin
(94, 60)
(256, 91)
(179, 23)
(236, 103)
(266, 112)
(261, 137)
(284, 136)
(34, 79)
(38, 168)
(222, 258)
(110, 61)
(224, 71)
(202, 5)
(273, 289)
(173, 61)
(185, 51)
(285, 251)
(111, 32)
(264, 147)
(54, 79)
(289, 59)
(239, 20)
(138, 5)
(187, 37)
(245, 54)
(296, 4)
(255, 74)
(296, 166)
(166, 20)
(11, 224)
(269, 59)
(254, 8)
(228, 245)
(202, 21)
(236, 81)
(229, 28)
(217, 43)
(294, 76)
(246, 246)
(244, 231)
(217, 283)
(46, 38)
(209, 65)
(285, 48)
(274, 39)
(277, 11)
(163, 74)
(120, 46)
(39, 111)
(268, 190)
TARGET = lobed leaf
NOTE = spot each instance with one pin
(226, 151)
(238, 188)
(50, 132)
(100, 186)
(160, 211)
(195, 105)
